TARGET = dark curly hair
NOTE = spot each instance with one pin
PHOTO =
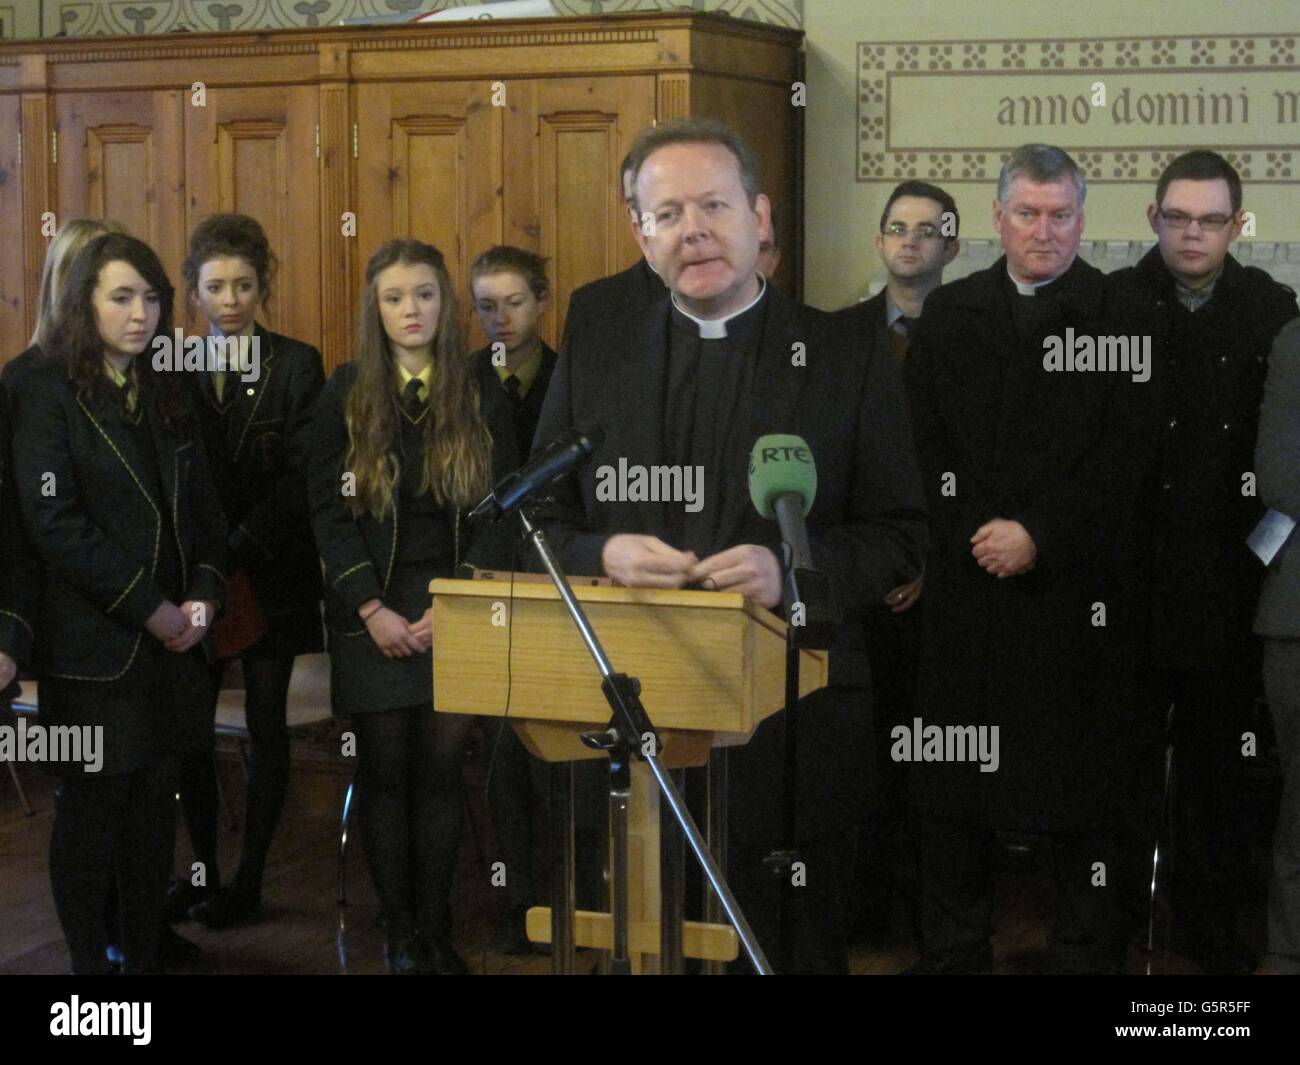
(234, 235)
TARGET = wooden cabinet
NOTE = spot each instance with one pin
(120, 155)
(461, 134)
(253, 150)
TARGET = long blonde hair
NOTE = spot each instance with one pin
(457, 444)
(72, 236)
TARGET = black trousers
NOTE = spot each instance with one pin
(106, 828)
(1212, 882)
(958, 866)
(410, 804)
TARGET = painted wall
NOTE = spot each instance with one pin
(941, 90)
(82, 18)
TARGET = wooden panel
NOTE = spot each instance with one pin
(120, 156)
(253, 151)
(564, 142)
(429, 167)
(13, 327)
(761, 113)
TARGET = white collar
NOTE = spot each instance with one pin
(1026, 289)
(716, 328)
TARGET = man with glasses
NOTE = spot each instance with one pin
(1032, 491)
(1212, 321)
(917, 239)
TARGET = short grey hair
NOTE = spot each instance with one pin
(1043, 164)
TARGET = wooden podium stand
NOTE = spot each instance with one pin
(711, 666)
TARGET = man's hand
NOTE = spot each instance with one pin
(637, 561)
(422, 630)
(194, 612)
(8, 669)
(392, 634)
(1004, 548)
(905, 596)
(749, 569)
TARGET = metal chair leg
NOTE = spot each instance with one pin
(18, 784)
(1161, 828)
(343, 844)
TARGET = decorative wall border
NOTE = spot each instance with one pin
(881, 61)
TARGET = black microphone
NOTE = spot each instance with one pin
(567, 451)
(782, 486)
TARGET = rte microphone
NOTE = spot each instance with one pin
(782, 486)
(559, 457)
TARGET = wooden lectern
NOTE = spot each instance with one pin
(711, 666)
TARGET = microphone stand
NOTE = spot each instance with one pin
(622, 740)
(781, 862)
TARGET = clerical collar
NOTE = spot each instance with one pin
(716, 328)
(1027, 289)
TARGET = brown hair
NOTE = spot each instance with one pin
(75, 339)
(237, 236)
(457, 444)
(72, 236)
(504, 258)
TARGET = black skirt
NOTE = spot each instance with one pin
(161, 706)
(362, 678)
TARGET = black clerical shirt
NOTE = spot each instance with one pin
(708, 388)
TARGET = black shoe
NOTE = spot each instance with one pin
(512, 938)
(405, 957)
(441, 960)
(182, 896)
(175, 949)
(228, 909)
(967, 961)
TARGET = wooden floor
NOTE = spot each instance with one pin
(304, 931)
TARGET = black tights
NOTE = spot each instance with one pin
(266, 683)
(104, 826)
(410, 798)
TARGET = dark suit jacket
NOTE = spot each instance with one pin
(1000, 436)
(1207, 386)
(257, 451)
(98, 528)
(530, 410)
(620, 295)
(1277, 465)
(871, 313)
(867, 526)
(20, 565)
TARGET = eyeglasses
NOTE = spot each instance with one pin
(1211, 223)
(924, 231)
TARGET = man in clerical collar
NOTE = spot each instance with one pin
(1032, 486)
(1212, 323)
(686, 386)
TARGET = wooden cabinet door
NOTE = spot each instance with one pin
(429, 166)
(564, 141)
(254, 151)
(14, 331)
(120, 155)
